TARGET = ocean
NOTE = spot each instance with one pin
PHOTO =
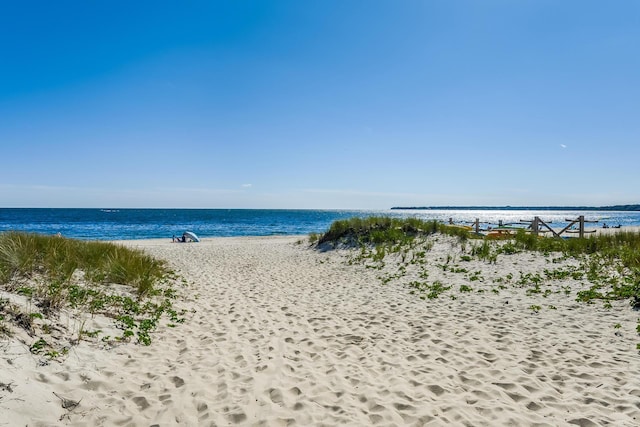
(129, 224)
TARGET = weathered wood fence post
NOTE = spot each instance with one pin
(535, 226)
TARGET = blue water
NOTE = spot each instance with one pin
(126, 224)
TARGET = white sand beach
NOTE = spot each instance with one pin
(278, 334)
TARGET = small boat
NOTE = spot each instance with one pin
(501, 233)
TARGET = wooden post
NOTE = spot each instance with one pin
(477, 225)
(499, 223)
(535, 226)
(581, 226)
(450, 221)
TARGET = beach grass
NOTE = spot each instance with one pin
(605, 268)
(384, 230)
(612, 261)
(91, 277)
(57, 258)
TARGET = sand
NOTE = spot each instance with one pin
(279, 334)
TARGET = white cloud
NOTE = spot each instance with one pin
(247, 185)
(563, 146)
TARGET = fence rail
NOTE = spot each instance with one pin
(537, 226)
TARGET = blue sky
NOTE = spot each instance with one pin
(319, 104)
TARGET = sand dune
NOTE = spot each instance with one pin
(279, 334)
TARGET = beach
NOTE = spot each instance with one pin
(277, 333)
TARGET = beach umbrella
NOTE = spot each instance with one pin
(191, 235)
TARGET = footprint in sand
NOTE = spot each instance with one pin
(177, 381)
(141, 402)
(275, 395)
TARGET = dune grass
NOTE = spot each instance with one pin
(384, 230)
(55, 272)
(622, 245)
(608, 270)
(600, 254)
(57, 258)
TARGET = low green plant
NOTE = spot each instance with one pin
(529, 278)
(25, 290)
(476, 276)
(126, 321)
(508, 248)
(92, 334)
(126, 335)
(38, 346)
(535, 290)
(52, 263)
(428, 290)
(590, 294)
(484, 252)
(418, 257)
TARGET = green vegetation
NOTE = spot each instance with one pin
(57, 258)
(465, 288)
(535, 308)
(89, 277)
(393, 235)
(599, 254)
(603, 268)
(385, 230)
(428, 290)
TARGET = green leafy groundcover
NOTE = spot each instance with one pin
(621, 248)
(56, 272)
(609, 264)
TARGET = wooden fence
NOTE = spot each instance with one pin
(537, 226)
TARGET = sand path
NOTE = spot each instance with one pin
(282, 335)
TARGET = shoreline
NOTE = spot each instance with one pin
(588, 230)
(277, 333)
